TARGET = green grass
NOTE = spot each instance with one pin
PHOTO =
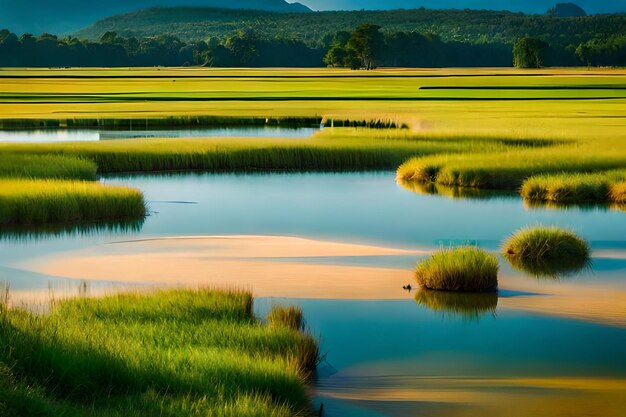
(569, 188)
(46, 166)
(338, 149)
(461, 269)
(507, 170)
(173, 353)
(41, 202)
(290, 317)
(547, 251)
(468, 305)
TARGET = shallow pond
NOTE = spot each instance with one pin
(92, 135)
(550, 346)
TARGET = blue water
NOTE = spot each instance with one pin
(382, 343)
(92, 135)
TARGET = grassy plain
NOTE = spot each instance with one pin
(575, 118)
(173, 353)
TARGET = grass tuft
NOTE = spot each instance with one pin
(547, 251)
(289, 317)
(461, 269)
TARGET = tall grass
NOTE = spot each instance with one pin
(547, 251)
(46, 166)
(331, 150)
(173, 353)
(40, 202)
(159, 122)
(461, 269)
(569, 188)
(506, 170)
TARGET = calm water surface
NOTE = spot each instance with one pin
(398, 358)
(92, 135)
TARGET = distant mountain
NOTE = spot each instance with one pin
(567, 10)
(67, 16)
(317, 29)
(524, 6)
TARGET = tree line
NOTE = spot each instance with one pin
(366, 47)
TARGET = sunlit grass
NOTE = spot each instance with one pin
(173, 353)
(460, 269)
(508, 170)
(547, 251)
(338, 149)
(46, 166)
(40, 202)
(568, 188)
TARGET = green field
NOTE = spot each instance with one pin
(174, 353)
(483, 128)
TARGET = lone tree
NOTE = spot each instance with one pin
(528, 53)
(367, 43)
(336, 56)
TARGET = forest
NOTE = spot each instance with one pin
(402, 38)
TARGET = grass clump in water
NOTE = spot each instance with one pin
(461, 269)
(40, 202)
(469, 305)
(547, 251)
(46, 166)
(174, 353)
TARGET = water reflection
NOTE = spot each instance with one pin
(585, 206)
(94, 135)
(551, 269)
(468, 306)
(431, 188)
(33, 233)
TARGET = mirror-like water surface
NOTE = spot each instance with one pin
(554, 347)
(91, 135)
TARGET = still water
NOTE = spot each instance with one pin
(93, 135)
(551, 347)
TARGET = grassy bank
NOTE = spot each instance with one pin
(176, 353)
(40, 202)
(508, 170)
(339, 149)
(46, 166)
(567, 188)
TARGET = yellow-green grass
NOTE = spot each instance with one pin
(173, 353)
(469, 305)
(547, 251)
(335, 149)
(40, 202)
(46, 166)
(331, 94)
(286, 316)
(508, 170)
(468, 269)
(568, 188)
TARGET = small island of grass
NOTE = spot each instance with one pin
(547, 251)
(468, 269)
